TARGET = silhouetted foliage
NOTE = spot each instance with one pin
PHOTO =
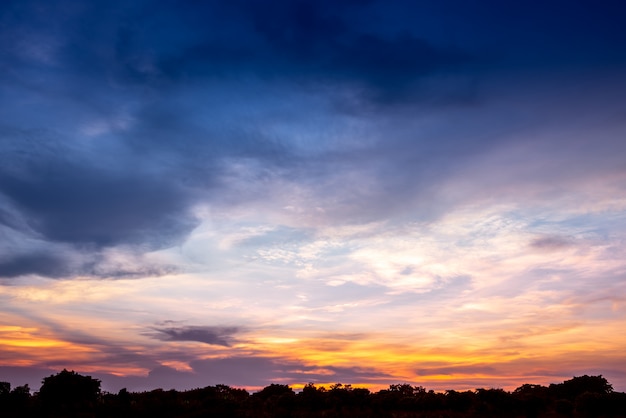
(5, 389)
(564, 407)
(68, 394)
(279, 399)
(312, 398)
(459, 401)
(16, 402)
(495, 402)
(576, 386)
(531, 399)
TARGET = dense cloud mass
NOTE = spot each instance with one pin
(79, 206)
(129, 125)
(42, 264)
(342, 180)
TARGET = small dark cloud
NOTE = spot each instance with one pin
(407, 271)
(551, 243)
(205, 334)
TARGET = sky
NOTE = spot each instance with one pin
(369, 192)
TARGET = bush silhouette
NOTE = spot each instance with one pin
(71, 395)
(69, 391)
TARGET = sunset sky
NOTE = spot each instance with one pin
(369, 192)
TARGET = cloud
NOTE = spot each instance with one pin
(86, 206)
(551, 243)
(161, 153)
(48, 265)
(320, 41)
(62, 261)
(205, 334)
(316, 42)
(70, 219)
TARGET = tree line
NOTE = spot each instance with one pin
(68, 394)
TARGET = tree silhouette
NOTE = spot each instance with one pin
(5, 393)
(275, 398)
(69, 392)
(5, 388)
(311, 397)
(532, 399)
(16, 402)
(459, 401)
(576, 386)
(70, 395)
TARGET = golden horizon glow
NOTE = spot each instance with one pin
(478, 298)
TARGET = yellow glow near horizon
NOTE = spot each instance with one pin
(407, 322)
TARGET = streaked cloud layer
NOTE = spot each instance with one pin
(249, 192)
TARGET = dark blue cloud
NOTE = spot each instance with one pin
(161, 45)
(50, 265)
(119, 117)
(77, 204)
(383, 46)
(322, 42)
(205, 334)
